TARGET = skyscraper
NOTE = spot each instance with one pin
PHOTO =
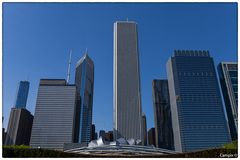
(19, 127)
(20, 120)
(144, 129)
(197, 112)
(228, 74)
(162, 115)
(127, 112)
(54, 118)
(84, 80)
(22, 94)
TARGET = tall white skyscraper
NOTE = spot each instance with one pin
(127, 95)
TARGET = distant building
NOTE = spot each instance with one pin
(162, 115)
(22, 94)
(151, 137)
(109, 136)
(95, 136)
(228, 74)
(93, 132)
(3, 135)
(101, 133)
(127, 112)
(197, 112)
(20, 120)
(54, 119)
(144, 123)
(84, 80)
(19, 127)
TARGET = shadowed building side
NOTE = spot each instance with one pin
(162, 115)
(144, 129)
(19, 127)
(20, 120)
(228, 75)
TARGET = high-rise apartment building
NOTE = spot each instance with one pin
(54, 119)
(197, 112)
(144, 129)
(162, 115)
(127, 112)
(19, 127)
(20, 120)
(84, 80)
(228, 74)
(22, 94)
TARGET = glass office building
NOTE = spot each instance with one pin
(127, 110)
(162, 115)
(84, 80)
(22, 94)
(228, 74)
(197, 111)
(54, 118)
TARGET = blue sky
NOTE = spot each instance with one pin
(37, 38)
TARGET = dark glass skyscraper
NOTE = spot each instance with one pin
(22, 94)
(197, 112)
(84, 80)
(228, 74)
(162, 115)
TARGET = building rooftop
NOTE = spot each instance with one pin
(192, 53)
(52, 82)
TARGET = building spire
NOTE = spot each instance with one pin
(69, 65)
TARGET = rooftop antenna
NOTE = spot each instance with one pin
(69, 65)
(127, 19)
(86, 51)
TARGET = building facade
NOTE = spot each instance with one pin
(54, 119)
(162, 115)
(197, 112)
(102, 133)
(22, 94)
(19, 127)
(144, 128)
(127, 112)
(93, 132)
(228, 75)
(109, 136)
(151, 137)
(84, 80)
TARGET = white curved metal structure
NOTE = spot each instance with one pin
(119, 147)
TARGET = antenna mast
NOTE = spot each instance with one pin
(69, 65)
